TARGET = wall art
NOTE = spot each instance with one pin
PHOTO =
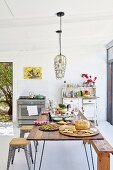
(32, 72)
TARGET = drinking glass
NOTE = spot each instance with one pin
(76, 111)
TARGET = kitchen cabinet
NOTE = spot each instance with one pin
(87, 105)
(22, 112)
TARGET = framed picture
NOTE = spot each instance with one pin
(32, 72)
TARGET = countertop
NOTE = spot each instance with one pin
(82, 97)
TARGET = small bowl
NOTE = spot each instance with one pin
(57, 118)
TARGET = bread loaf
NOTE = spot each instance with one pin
(82, 124)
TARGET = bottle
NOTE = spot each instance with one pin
(64, 89)
(68, 107)
(64, 84)
(81, 93)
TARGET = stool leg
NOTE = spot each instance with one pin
(30, 150)
(9, 157)
(27, 156)
(13, 155)
(21, 136)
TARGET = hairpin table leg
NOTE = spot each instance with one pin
(35, 153)
(42, 155)
(92, 157)
(86, 155)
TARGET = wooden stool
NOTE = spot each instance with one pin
(17, 143)
(26, 129)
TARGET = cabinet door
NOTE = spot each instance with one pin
(89, 111)
(90, 108)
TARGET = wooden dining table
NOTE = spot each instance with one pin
(38, 135)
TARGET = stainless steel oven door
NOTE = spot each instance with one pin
(23, 112)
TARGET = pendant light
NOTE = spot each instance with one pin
(60, 59)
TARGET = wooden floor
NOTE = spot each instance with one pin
(67, 155)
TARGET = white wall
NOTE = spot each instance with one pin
(85, 59)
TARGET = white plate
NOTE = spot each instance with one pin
(93, 129)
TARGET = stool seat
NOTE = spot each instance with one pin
(26, 128)
(19, 142)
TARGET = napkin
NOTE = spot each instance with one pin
(32, 110)
(40, 122)
(45, 112)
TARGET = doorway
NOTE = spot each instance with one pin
(6, 91)
(110, 82)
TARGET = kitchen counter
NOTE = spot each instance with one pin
(82, 97)
(31, 98)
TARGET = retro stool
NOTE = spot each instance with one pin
(20, 143)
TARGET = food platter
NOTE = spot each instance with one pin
(49, 127)
(78, 133)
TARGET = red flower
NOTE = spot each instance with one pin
(89, 81)
(95, 78)
(85, 75)
(89, 78)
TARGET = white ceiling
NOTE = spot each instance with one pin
(45, 8)
(31, 24)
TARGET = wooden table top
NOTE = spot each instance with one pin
(37, 134)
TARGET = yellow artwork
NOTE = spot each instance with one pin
(32, 72)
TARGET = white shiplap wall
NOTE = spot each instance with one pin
(88, 59)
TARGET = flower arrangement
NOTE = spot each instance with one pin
(90, 81)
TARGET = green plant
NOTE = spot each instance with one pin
(6, 85)
(62, 106)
